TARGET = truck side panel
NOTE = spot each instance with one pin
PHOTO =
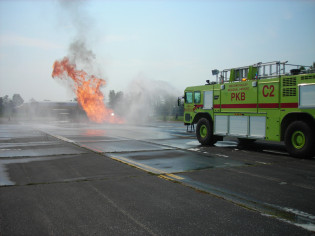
(239, 97)
(268, 103)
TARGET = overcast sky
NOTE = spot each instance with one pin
(179, 42)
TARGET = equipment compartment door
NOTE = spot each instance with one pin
(307, 96)
(257, 126)
(238, 125)
(208, 100)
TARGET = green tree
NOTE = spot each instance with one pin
(111, 96)
(7, 105)
(17, 100)
(114, 98)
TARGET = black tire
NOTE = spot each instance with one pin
(299, 140)
(204, 132)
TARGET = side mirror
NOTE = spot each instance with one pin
(179, 101)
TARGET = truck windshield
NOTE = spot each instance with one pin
(197, 97)
(189, 97)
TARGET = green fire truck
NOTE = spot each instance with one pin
(262, 101)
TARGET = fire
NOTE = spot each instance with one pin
(87, 89)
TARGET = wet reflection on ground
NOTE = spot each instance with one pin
(226, 144)
(174, 161)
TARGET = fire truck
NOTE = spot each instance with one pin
(265, 101)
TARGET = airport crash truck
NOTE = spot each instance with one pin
(261, 101)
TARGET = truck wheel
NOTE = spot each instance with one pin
(299, 140)
(204, 132)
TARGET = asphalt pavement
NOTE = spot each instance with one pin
(152, 179)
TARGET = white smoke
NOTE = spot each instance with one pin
(142, 97)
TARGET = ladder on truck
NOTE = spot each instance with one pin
(257, 71)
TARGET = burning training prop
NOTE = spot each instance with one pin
(87, 89)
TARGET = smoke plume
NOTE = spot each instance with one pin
(79, 66)
(142, 95)
(80, 21)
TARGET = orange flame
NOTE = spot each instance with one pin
(87, 90)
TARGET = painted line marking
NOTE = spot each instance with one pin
(162, 174)
(165, 177)
(175, 176)
(146, 168)
(58, 136)
(138, 165)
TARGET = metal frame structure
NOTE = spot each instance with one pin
(276, 69)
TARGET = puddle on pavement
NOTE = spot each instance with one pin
(82, 138)
(121, 146)
(192, 144)
(183, 143)
(4, 176)
(16, 131)
(28, 144)
(33, 152)
(94, 132)
(226, 144)
(172, 161)
(105, 131)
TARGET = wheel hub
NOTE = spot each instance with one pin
(203, 131)
(298, 139)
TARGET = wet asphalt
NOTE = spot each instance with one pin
(153, 179)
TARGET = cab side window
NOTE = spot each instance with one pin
(189, 97)
(197, 97)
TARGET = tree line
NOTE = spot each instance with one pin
(163, 107)
(8, 105)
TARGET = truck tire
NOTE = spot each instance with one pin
(299, 140)
(204, 132)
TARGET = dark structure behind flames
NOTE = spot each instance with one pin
(48, 110)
